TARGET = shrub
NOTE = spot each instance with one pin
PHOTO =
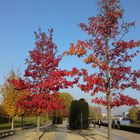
(79, 112)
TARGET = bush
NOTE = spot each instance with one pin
(79, 112)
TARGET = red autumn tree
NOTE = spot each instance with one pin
(110, 55)
(43, 78)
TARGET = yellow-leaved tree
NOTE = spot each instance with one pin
(95, 113)
(10, 97)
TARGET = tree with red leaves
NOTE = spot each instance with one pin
(43, 78)
(110, 55)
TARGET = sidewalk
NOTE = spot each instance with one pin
(73, 136)
(58, 132)
(61, 133)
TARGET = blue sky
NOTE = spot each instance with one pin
(20, 18)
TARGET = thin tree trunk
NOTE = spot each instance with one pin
(56, 114)
(38, 124)
(108, 93)
(109, 122)
(12, 125)
(61, 114)
(47, 118)
(22, 121)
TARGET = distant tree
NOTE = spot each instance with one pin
(10, 98)
(133, 113)
(67, 98)
(95, 113)
(138, 114)
(64, 111)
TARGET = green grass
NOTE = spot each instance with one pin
(17, 122)
(5, 126)
(26, 121)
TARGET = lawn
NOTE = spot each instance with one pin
(18, 120)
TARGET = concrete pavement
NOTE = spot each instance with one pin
(60, 132)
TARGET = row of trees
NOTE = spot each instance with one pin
(39, 88)
(9, 107)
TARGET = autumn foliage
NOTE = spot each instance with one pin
(43, 78)
(67, 98)
(10, 97)
(109, 54)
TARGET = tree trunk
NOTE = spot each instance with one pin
(12, 125)
(109, 122)
(56, 115)
(61, 114)
(108, 93)
(47, 117)
(38, 124)
(22, 121)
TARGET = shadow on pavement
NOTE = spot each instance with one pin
(86, 134)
